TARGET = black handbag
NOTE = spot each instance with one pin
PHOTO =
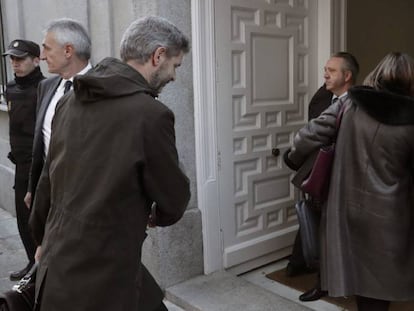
(22, 296)
(309, 219)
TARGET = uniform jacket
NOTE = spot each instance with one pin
(21, 102)
(368, 221)
(112, 154)
(45, 92)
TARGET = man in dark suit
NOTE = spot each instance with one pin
(297, 265)
(341, 72)
(66, 50)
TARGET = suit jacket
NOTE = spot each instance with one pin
(45, 93)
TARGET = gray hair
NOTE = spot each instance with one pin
(145, 35)
(350, 64)
(70, 31)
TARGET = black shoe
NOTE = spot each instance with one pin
(17, 275)
(313, 294)
(292, 270)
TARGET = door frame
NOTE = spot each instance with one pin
(331, 37)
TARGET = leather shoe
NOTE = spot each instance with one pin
(292, 270)
(18, 275)
(313, 294)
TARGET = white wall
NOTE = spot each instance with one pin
(173, 254)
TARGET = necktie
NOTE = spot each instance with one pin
(68, 85)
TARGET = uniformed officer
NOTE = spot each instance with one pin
(21, 98)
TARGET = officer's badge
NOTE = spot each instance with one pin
(16, 44)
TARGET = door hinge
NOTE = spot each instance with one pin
(219, 161)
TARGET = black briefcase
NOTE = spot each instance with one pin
(22, 296)
(309, 219)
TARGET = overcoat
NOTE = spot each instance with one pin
(112, 154)
(367, 224)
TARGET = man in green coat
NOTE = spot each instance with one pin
(112, 154)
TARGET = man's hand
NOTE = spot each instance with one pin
(38, 253)
(28, 199)
(152, 221)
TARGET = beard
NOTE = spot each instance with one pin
(159, 80)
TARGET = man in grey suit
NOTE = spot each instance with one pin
(66, 50)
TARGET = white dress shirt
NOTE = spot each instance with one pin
(50, 112)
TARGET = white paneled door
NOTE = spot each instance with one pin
(266, 70)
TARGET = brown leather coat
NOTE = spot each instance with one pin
(368, 219)
(112, 154)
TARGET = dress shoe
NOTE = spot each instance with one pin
(18, 275)
(292, 270)
(313, 294)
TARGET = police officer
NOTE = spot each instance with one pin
(21, 98)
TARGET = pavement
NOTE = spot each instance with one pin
(13, 256)
(220, 291)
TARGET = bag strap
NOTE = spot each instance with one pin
(339, 118)
(340, 114)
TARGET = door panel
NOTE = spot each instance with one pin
(263, 52)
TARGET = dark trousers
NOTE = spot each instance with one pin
(161, 307)
(296, 258)
(370, 304)
(22, 212)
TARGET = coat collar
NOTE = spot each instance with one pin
(386, 107)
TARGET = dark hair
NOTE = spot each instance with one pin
(394, 73)
(350, 64)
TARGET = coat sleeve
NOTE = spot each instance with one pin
(164, 181)
(317, 133)
(32, 182)
(40, 205)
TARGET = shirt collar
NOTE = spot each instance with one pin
(82, 72)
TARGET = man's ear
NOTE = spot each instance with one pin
(69, 50)
(36, 61)
(348, 76)
(158, 56)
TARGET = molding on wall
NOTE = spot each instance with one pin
(203, 48)
(339, 16)
(331, 31)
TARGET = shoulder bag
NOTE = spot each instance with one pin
(22, 296)
(317, 183)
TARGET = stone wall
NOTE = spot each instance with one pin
(172, 254)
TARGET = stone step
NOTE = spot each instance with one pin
(223, 291)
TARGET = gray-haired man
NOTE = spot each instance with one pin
(112, 154)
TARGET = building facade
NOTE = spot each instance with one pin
(240, 96)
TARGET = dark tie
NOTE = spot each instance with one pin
(68, 84)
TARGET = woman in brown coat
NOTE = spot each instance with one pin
(368, 219)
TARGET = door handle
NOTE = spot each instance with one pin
(275, 152)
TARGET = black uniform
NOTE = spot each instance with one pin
(21, 98)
